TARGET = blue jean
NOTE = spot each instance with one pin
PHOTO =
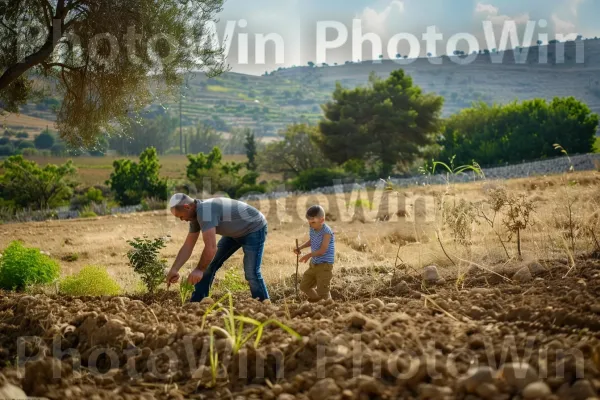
(253, 245)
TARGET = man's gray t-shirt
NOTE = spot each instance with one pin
(231, 218)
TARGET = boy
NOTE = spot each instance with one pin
(322, 246)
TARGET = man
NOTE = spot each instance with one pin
(239, 224)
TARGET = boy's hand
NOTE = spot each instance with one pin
(305, 258)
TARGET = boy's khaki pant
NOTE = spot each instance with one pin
(319, 276)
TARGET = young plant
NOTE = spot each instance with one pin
(185, 291)
(235, 325)
(213, 358)
(496, 200)
(144, 258)
(517, 217)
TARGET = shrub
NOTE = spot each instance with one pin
(317, 178)
(90, 281)
(143, 257)
(21, 266)
(87, 214)
(131, 182)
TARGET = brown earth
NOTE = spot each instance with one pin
(388, 333)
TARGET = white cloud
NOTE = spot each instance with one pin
(562, 26)
(491, 13)
(500, 19)
(374, 21)
(574, 5)
(487, 9)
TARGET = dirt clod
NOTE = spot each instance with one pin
(536, 390)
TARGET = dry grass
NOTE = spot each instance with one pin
(102, 240)
(22, 122)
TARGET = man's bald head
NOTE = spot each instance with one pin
(179, 200)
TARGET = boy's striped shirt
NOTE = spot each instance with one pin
(316, 239)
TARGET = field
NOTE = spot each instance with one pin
(483, 323)
(23, 122)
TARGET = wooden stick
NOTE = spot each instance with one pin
(297, 263)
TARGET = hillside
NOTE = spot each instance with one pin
(270, 102)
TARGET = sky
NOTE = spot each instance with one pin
(263, 35)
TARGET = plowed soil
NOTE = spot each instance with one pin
(387, 334)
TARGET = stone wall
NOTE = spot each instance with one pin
(584, 162)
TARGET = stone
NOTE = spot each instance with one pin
(536, 390)
(523, 275)
(376, 302)
(595, 308)
(536, 268)
(402, 288)
(582, 390)
(476, 377)
(518, 375)
(431, 274)
(486, 390)
(324, 389)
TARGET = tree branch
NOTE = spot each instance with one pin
(61, 65)
(47, 7)
(15, 71)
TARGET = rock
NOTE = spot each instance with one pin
(595, 308)
(402, 288)
(9, 391)
(476, 377)
(476, 312)
(429, 391)
(357, 320)
(518, 375)
(482, 291)
(523, 275)
(431, 274)
(535, 268)
(324, 389)
(207, 301)
(582, 390)
(536, 390)
(286, 396)
(376, 302)
(486, 390)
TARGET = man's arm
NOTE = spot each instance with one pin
(210, 248)
(186, 250)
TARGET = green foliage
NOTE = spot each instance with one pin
(390, 120)
(131, 182)
(25, 184)
(90, 281)
(87, 214)
(297, 151)
(186, 290)
(250, 146)
(99, 94)
(21, 266)
(210, 174)
(597, 145)
(148, 133)
(232, 281)
(318, 177)
(518, 131)
(44, 140)
(144, 258)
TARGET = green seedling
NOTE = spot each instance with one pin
(185, 291)
(235, 324)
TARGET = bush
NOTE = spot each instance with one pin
(144, 260)
(7, 149)
(245, 189)
(317, 178)
(26, 144)
(90, 281)
(21, 266)
(131, 182)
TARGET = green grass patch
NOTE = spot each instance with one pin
(90, 281)
(597, 145)
(217, 88)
